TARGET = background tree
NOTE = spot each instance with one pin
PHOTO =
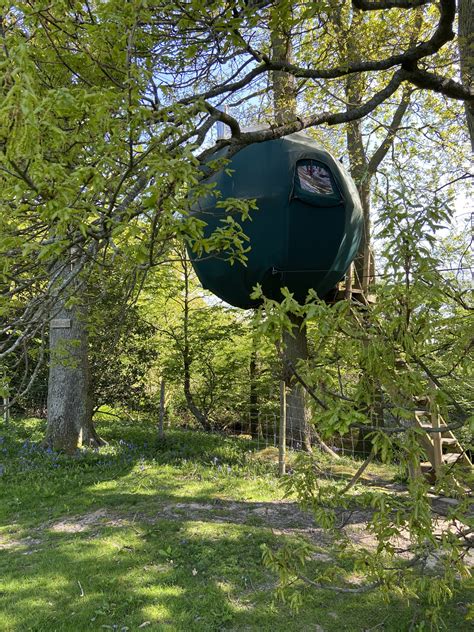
(205, 353)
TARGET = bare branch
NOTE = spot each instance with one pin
(272, 133)
(437, 83)
(380, 5)
(443, 34)
(381, 152)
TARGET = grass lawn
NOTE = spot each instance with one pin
(160, 536)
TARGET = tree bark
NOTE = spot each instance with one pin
(70, 406)
(295, 348)
(284, 97)
(359, 171)
(161, 418)
(466, 53)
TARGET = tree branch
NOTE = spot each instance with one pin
(380, 5)
(229, 120)
(273, 133)
(443, 34)
(381, 152)
(431, 81)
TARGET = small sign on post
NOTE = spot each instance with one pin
(61, 323)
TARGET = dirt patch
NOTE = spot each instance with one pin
(18, 544)
(284, 518)
(273, 514)
(79, 524)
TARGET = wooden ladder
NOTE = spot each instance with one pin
(442, 448)
(350, 289)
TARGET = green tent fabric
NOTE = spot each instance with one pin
(305, 232)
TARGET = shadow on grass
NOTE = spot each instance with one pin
(136, 535)
(185, 575)
(33, 479)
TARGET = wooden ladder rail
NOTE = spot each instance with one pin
(436, 436)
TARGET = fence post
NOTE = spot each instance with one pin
(414, 468)
(282, 431)
(162, 410)
(348, 290)
(6, 410)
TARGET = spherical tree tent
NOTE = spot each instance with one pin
(305, 232)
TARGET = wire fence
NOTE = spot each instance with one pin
(34, 404)
(261, 428)
(258, 423)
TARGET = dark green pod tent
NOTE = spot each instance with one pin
(305, 232)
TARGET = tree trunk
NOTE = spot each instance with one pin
(466, 53)
(284, 98)
(197, 414)
(295, 347)
(359, 167)
(70, 406)
(200, 417)
(161, 418)
(359, 171)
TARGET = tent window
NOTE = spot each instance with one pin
(314, 177)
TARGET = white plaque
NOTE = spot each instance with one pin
(61, 323)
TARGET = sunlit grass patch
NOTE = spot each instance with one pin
(166, 534)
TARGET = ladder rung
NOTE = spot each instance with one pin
(423, 425)
(452, 458)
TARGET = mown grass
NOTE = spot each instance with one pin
(156, 535)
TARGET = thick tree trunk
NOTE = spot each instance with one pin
(69, 404)
(295, 347)
(284, 98)
(359, 171)
(466, 53)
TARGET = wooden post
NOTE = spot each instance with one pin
(349, 273)
(372, 269)
(6, 410)
(436, 436)
(282, 430)
(161, 433)
(414, 468)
